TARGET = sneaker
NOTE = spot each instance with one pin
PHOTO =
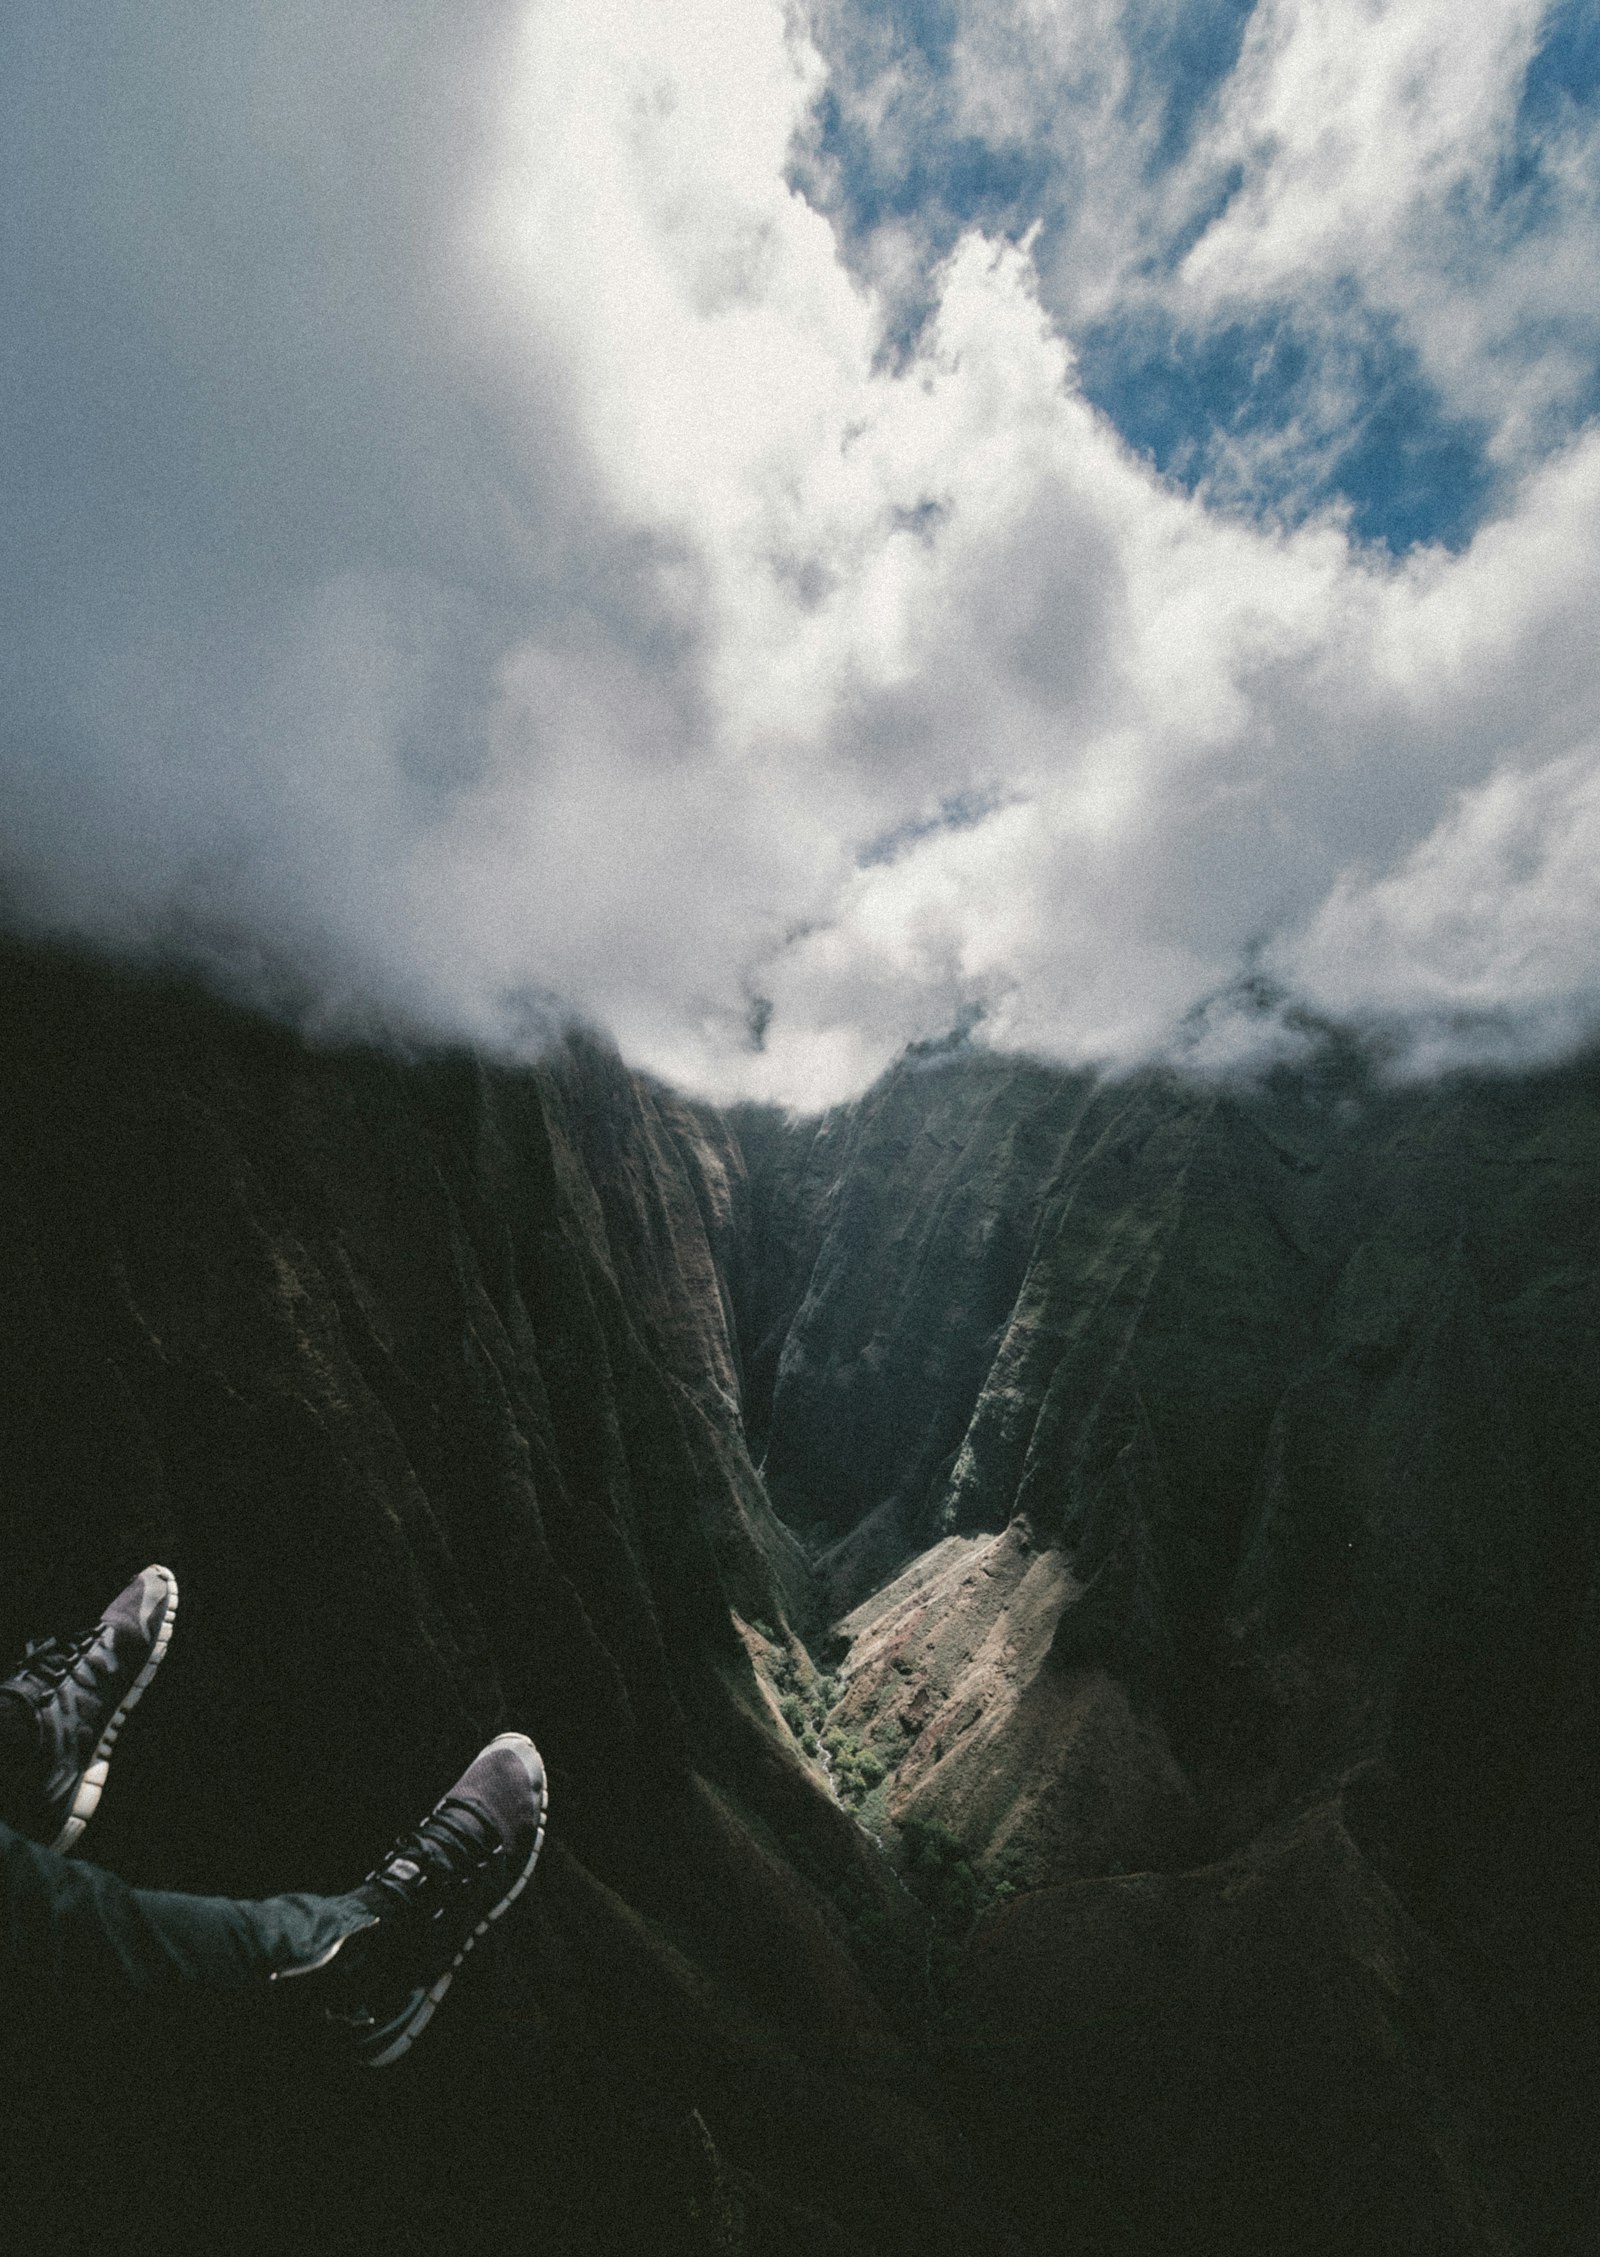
(437, 1891)
(79, 1690)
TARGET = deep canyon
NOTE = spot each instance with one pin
(1062, 1616)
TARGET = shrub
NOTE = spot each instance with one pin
(938, 1871)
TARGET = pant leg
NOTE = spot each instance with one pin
(74, 1927)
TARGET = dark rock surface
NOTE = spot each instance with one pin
(1296, 1385)
(1195, 1495)
(418, 1376)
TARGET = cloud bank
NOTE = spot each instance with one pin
(650, 512)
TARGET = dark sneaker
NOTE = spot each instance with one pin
(435, 1894)
(79, 1690)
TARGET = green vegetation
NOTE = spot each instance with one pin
(1005, 1871)
(939, 1871)
(856, 1769)
(804, 1696)
(889, 1943)
(908, 1945)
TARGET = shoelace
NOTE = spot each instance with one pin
(50, 1661)
(449, 1850)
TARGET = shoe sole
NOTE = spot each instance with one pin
(86, 1801)
(427, 2006)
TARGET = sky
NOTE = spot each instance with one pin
(786, 531)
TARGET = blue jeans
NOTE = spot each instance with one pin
(76, 1928)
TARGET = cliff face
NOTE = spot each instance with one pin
(420, 1378)
(1186, 1496)
(1299, 1369)
(1206, 1483)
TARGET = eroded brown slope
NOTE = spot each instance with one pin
(1279, 1410)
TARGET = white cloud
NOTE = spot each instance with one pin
(1364, 171)
(1351, 122)
(1372, 145)
(514, 574)
(1493, 918)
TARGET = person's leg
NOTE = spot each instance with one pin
(70, 1927)
(72, 1932)
(73, 1928)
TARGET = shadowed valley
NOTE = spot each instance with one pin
(1062, 1619)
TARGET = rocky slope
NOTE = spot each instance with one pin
(419, 1376)
(1175, 1831)
(1204, 1483)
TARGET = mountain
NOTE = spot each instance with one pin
(419, 1377)
(1061, 1615)
(1203, 1481)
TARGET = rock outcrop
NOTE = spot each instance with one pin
(1183, 1462)
(1063, 1619)
(419, 1375)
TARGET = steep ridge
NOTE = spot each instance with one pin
(1243, 1503)
(419, 1376)
(1176, 1830)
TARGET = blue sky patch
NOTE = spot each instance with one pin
(1198, 405)
(1180, 56)
(1567, 66)
(1283, 411)
(953, 183)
